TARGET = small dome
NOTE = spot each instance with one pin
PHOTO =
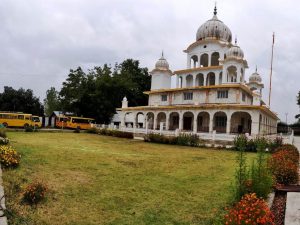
(214, 28)
(162, 63)
(255, 77)
(235, 52)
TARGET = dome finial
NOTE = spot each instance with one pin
(256, 69)
(162, 53)
(235, 41)
(215, 9)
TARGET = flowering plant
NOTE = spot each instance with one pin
(284, 166)
(250, 210)
(9, 156)
(35, 192)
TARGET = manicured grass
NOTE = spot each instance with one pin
(96, 179)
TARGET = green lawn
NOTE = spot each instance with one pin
(104, 180)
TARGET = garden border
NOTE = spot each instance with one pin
(3, 219)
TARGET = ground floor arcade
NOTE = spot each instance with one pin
(229, 121)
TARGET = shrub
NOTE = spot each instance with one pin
(261, 175)
(9, 157)
(3, 133)
(183, 139)
(4, 141)
(188, 140)
(34, 192)
(92, 130)
(274, 144)
(291, 150)
(284, 167)
(249, 210)
(116, 133)
(241, 170)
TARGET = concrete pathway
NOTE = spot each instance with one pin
(292, 212)
(3, 220)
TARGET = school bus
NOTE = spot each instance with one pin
(15, 119)
(61, 121)
(36, 122)
(79, 123)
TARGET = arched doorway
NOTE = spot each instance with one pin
(204, 60)
(161, 118)
(232, 74)
(129, 119)
(189, 80)
(200, 79)
(211, 79)
(203, 122)
(188, 119)
(195, 61)
(150, 120)
(240, 123)
(174, 121)
(220, 122)
(215, 59)
(140, 120)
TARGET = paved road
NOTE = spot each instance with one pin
(292, 214)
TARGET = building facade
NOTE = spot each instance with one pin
(211, 93)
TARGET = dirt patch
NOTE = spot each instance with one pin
(278, 207)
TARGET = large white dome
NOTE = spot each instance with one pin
(214, 28)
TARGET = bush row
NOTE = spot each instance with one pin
(109, 132)
(284, 164)
(183, 139)
(252, 144)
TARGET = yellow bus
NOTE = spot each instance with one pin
(61, 121)
(79, 123)
(36, 122)
(15, 119)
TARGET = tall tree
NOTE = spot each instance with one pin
(99, 92)
(20, 100)
(51, 102)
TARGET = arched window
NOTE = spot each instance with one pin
(204, 60)
(232, 74)
(200, 79)
(211, 79)
(195, 61)
(215, 59)
(189, 80)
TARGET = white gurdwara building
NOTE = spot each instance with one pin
(211, 94)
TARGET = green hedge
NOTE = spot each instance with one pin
(182, 139)
(116, 133)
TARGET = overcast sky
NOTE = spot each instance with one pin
(42, 39)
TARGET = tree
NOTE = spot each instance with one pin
(20, 100)
(100, 91)
(298, 103)
(51, 102)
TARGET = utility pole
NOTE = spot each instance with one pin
(271, 70)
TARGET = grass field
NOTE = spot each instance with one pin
(104, 180)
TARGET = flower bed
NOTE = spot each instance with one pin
(250, 210)
(9, 157)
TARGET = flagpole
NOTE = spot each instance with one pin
(271, 70)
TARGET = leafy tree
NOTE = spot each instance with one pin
(51, 102)
(20, 100)
(298, 103)
(100, 91)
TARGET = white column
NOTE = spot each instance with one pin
(180, 122)
(211, 124)
(155, 122)
(122, 119)
(194, 80)
(204, 78)
(167, 121)
(217, 76)
(228, 125)
(195, 125)
(188, 61)
(209, 60)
